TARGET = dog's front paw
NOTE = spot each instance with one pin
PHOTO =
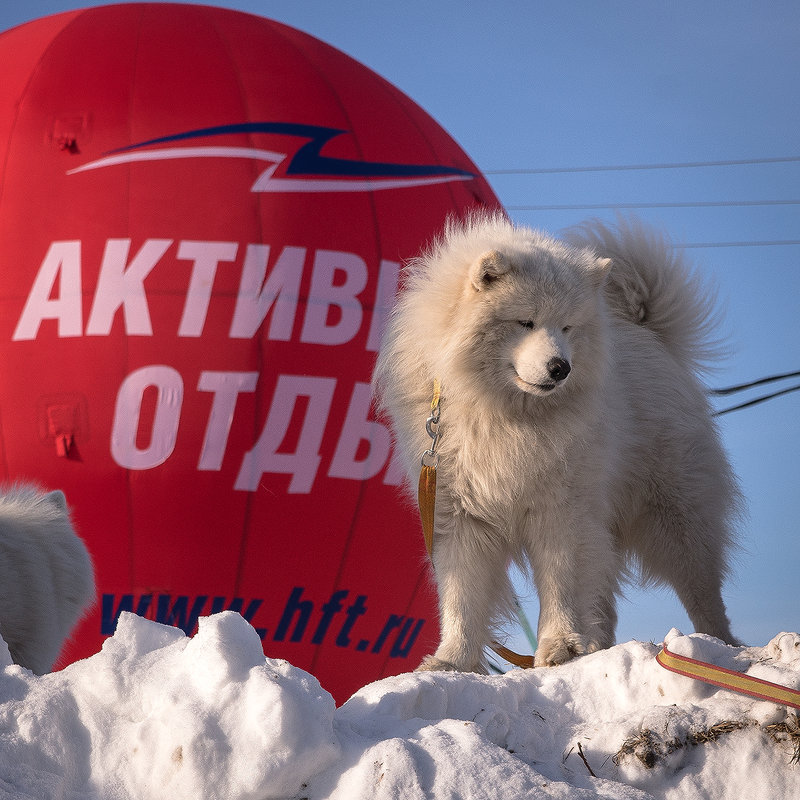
(433, 664)
(554, 650)
(593, 645)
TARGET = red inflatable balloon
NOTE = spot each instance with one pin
(202, 218)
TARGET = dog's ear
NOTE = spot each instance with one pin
(487, 269)
(57, 499)
(601, 270)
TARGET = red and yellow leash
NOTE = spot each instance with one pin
(728, 679)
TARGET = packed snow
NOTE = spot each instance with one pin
(156, 714)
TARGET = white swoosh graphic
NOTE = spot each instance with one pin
(265, 181)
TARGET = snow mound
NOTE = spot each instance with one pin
(158, 715)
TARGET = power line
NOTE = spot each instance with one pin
(632, 167)
(773, 243)
(756, 401)
(728, 390)
(697, 204)
(677, 204)
(740, 387)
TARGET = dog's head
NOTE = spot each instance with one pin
(531, 314)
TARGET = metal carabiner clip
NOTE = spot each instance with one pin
(432, 420)
(430, 458)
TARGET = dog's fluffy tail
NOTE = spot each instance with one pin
(652, 285)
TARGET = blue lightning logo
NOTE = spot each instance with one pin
(307, 171)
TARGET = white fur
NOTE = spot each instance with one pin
(616, 463)
(46, 576)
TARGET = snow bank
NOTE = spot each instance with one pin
(156, 714)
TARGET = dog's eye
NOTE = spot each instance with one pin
(566, 329)
(529, 324)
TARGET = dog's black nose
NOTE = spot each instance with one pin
(558, 369)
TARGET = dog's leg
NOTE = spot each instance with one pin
(557, 577)
(470, 561)
(575, 570)
(599, 585)
(603, 622)
(706, 610)
(697, 579)
(686, 549)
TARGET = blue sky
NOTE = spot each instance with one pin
(546, 85)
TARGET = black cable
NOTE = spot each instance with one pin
(772, 243)
(626, 167)
(756, 401)
(760, 382)
(698, 204)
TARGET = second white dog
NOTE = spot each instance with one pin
(46, 576)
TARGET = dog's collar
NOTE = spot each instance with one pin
(437, 394)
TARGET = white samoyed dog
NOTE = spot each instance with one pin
(46, 576)
(575, 435)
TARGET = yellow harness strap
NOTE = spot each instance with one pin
(426, 497)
